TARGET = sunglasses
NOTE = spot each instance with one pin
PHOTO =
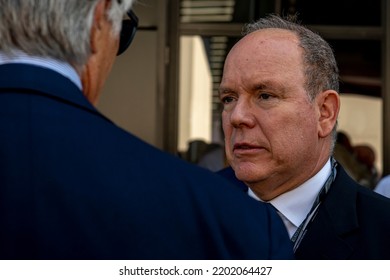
(129, 28)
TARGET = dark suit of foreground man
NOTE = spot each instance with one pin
(73, 185)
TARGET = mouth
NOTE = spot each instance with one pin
(245, 147)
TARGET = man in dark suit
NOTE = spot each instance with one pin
(73, 185)
(280, 96)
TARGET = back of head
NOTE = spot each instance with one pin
(365, 154)
(52, 28)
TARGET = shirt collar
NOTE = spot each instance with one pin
(294, 205)
(60, 67)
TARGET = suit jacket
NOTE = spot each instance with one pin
(73, 185)
(352, 222)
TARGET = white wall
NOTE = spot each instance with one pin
(129, 96)
(361, 117)
(195, 92)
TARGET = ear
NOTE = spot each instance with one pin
(98, 18)
(329, 106)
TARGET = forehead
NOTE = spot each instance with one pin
(266, 42)
(266, 52)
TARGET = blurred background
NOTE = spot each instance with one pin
(164, 88)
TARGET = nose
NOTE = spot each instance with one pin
(242, 114)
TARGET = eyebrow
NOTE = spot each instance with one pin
(269, 85)
(260, 86)
(225, 90)
(254, 87)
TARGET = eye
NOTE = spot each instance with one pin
(227, 99)
(264, 96)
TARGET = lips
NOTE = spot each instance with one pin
(245, 146)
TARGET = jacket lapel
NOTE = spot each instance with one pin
(332, 231)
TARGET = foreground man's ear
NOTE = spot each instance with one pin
(97, 24)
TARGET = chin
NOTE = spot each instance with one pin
(244, 174)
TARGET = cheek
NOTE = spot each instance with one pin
(110, 59)
(292, 133)
(225, 124)
(116, 44)
(306, 136)
(227, 132)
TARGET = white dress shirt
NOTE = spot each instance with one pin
(293, 206)
(60, 67)
(383, 186)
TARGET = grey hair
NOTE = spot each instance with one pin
(58, 29)
(320, 66)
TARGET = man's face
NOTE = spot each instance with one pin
(270, 125)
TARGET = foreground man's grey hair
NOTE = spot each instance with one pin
(58, 29)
